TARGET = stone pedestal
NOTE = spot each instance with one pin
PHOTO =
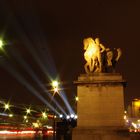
(100, 133)
(100, 108)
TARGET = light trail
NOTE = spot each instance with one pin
(8, 132)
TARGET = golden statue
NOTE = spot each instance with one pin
(98, 58)
(92, 55)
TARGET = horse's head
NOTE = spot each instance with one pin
(88, 42)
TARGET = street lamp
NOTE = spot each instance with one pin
(61, 116)
(7, 106)
(76, 99)
(28, 111)
(44, 115)
(25, 117)
(55, 83)
(55, 87)
(68, 117)
(10, 115)
(1, 44)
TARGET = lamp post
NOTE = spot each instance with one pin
(55, 90)
(54, 129)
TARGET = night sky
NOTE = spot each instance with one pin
(53, 31)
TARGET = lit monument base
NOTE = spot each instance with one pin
(100, 133)
(100, 108)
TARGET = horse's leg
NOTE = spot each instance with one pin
(100, 63)
(86, 68)
(92, 64)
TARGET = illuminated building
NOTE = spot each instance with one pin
(136, 108)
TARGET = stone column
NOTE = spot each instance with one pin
(100, 107)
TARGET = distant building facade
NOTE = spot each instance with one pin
(134, 109)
